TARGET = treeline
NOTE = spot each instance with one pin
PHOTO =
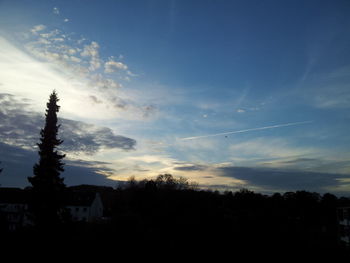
(174, 211)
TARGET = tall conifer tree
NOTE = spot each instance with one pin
(47, 184)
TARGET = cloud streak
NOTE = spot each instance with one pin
(246, 130)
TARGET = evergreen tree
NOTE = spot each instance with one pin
(0, 172)
(47, 184)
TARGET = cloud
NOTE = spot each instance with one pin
(66, 20)
(282, 153)
(82, 64)
(152, 159)
(328, 90)
(141, 165)
(18, 165)
(103, 83)
(274, 164)
(266, 148)
(92, 52)
(64, 63)
(20, 127)
(148, 110)
(17, 125)
(334, 96)
(191, 167)
(284, 180)
(56, 11)
(320, 164)
(112, 66)
(88, 138)
(226, 176)
(240, 110)
(37, 29)
(95, 99)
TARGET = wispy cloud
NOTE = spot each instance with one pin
(92, 51)
(112, 66)
(268, 148)
(328, 89)
(37, 29)
(340, 165)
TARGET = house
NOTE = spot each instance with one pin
(343, 213)
(105, 193)
(14, 208)
(84, 206)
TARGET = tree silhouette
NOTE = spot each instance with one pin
(0, 171)
(47, 184)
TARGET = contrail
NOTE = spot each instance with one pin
(247, 130)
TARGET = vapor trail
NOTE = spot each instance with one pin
(247, 130)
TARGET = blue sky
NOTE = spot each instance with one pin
(136, 77)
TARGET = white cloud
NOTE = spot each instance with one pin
(240, 110)
(112, 66)
(61, 59)
(75, 59)
(92, 52)
(56, 11)
(71, 51)
(66, 20)
(161, 159)
(43, 41)
(26, 77)
(58, 39)
(37, 29)
(99, 81)
(50, 34)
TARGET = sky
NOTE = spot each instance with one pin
(228, 94)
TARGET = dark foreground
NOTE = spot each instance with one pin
(181, 218)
